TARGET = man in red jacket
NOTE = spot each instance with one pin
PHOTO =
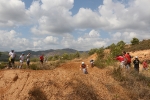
(121, 59)
(42, 59)
(127, 60)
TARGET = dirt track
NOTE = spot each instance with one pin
(66, 82)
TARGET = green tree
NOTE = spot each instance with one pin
(77, 55)
(121, 44)
(92, 51)
(56, 57)
(135, 41)
(100, 53)
(117, 49)
(65, 56)
(50, 58)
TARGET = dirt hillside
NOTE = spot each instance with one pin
(66, 82)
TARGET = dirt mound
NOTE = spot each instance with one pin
(66, 82)
(142, 54)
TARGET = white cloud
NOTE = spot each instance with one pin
(94, 33)
(51, 21)
(51, 40)
(86, 18)
(11, 40)
(85, 42)
(12, 12)
(56, 17)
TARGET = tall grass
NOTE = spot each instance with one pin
(137, 84)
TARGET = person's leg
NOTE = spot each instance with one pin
(84, 70)
(127, 67)
(21, 63)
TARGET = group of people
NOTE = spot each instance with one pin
(125, 61)
(12, 57)
(22, 58)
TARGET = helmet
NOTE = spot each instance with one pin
(82, 62)
(136, 56)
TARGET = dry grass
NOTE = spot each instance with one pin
(137, 85)
(37, 94)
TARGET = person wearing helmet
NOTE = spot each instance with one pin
(83, 67)
(92, 63)
(136, 63)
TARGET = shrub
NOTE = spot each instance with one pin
(3, 65)
(34, 66)
(135, 41)
(100, 63)
(92, 51)
(37, 94)
(117, 74)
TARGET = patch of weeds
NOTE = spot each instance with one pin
(34, 67)
(100, 63)
(118, 75)
(37, 94)
(3, 65)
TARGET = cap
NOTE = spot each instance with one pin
(82, 62)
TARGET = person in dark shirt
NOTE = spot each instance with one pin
(136, 63)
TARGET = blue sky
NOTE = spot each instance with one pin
(77, 24)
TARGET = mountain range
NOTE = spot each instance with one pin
(51, 52)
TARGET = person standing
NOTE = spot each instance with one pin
(42, 59)
(28, 59)
(127, 60)
(21, 60)
(136, 63)
(145, 65)
(12, 56)
(83, 67)
(121, 59)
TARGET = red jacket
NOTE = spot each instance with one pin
(41, 57)
(145, 64)
(120, 58)
(127, 58)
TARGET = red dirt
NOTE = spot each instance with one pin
(66, 82)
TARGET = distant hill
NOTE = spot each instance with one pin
(143, 45)
(51, 52)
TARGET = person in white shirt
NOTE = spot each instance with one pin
(12, 56)
(21, 60)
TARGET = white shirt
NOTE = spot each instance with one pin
(12, 54)
(28, 57)
(21, 58)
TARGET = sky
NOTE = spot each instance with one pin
(77, 24)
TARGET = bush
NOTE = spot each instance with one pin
(117, 74)
(34, 66)
(37, 94)
(92, 51)
(3, 65)
(137, 84)
(135, 41)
